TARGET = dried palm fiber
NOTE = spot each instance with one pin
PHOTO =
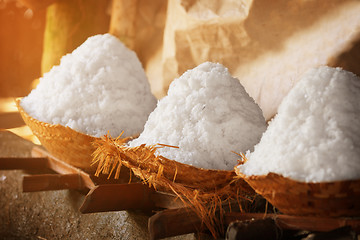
(62, 142)
(111, 154)
(326, 199)
(204, 190)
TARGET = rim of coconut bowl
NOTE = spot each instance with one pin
(64, 143)
(292, 197)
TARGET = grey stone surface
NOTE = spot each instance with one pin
(55, 214)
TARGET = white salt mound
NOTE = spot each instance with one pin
(207, 114)
(101, 86)
(315, 136)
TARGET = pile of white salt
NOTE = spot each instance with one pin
(315, 136)
(207, 114)
(101, 86)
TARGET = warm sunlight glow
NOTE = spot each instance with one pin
(7, 110)
(25, 132)
(35, 83)
(7, 105)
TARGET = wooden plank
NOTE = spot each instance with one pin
(54, 163)
(36, 163)
(117, 197)
(320, 224)
(178, 221)
(166, 200)
(249, 230)
(62, 167)
(173, 222)
(47, 182)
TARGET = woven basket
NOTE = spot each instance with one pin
(62, 142)
(328, 199)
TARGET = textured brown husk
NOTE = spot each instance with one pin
(62, 142)
(204, 189)
(326, 199)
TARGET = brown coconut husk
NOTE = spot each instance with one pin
(325, 199)
(64, 143)
(201, 189)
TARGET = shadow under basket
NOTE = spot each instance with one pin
(326, 199)
(64, 143)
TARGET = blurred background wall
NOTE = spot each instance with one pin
(267, 45)
(34, 35)
(21, 44)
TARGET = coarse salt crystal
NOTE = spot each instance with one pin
(315, 136)
(207, 114)
(101, 86)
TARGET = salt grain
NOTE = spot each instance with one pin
(207, 114)
(315, 136)
(101, 86)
